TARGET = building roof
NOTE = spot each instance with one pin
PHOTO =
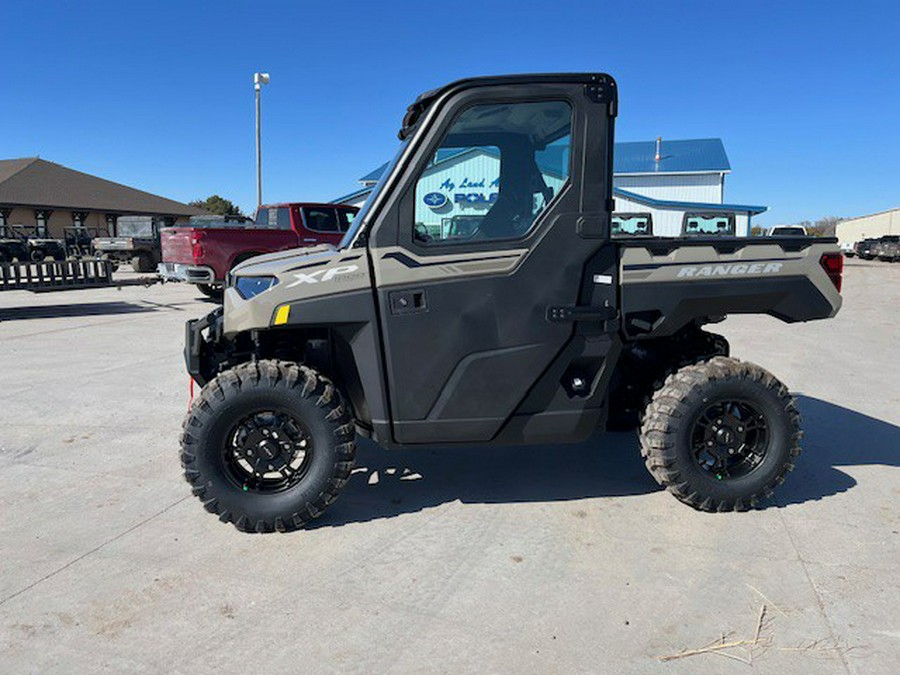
(353, 196)
(626, 194)
(695, 206)
(696, 155)
(37, 183)
(373, 176)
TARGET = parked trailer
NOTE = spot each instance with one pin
(63, 275)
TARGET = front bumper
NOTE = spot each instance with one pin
(193, 274)
(199, 357)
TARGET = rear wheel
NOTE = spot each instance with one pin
(211, 291)
(268, 445)
(142, 262)
(645, 369)
(721, 435)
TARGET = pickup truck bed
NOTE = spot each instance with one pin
(203, 255)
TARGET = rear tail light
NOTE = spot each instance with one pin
(833, 264)
(196, 246)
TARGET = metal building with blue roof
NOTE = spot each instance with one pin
(666, 179)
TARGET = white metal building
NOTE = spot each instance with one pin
(869, 227)
(667, 179)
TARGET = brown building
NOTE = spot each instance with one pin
(52, 197)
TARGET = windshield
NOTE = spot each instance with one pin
(218, 221)
(134, 226)
(362, 215)
(789, 232)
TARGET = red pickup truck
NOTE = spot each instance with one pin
(202, 252)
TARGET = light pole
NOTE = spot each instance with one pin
(259, 79)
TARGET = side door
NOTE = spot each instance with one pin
(505, 200)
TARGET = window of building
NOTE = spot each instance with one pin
(631, 224)
(497, 168)
(708, 224)
(41, 221)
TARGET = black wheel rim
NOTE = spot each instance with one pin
(268, 451)
(729, 439)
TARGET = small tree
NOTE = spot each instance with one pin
(756, 231)
(218, 205)
(828, 225)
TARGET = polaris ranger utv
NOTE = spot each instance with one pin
(535, 326)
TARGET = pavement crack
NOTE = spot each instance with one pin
(92, 551)
(819, 601)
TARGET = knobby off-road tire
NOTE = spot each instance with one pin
(142, 262)
(705, 412)
(217, 436)
(630, 404)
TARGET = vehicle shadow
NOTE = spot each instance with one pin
(836, 436)
(391, 483)
(72, 310)
(388, 483)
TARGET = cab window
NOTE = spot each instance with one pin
(282, 218)
(320, 219)
(262, 218)
(496, 169)
(345, 219)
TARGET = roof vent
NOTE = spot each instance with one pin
(658, 148)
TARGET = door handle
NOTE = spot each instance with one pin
(408, 302)
(309, 239)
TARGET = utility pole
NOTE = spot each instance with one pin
(259, 79)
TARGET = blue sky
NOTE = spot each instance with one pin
(158, 95)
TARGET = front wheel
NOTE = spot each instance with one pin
(720, 435)
(268, 445)
(213, 292)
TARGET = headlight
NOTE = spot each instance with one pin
(249, 287)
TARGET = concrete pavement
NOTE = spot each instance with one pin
(534, 560)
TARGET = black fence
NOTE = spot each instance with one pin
(55, 275)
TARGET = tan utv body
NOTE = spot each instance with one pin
(531, 324)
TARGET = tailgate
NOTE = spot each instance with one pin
(176, 245)
(666, 284)
(113, 243)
